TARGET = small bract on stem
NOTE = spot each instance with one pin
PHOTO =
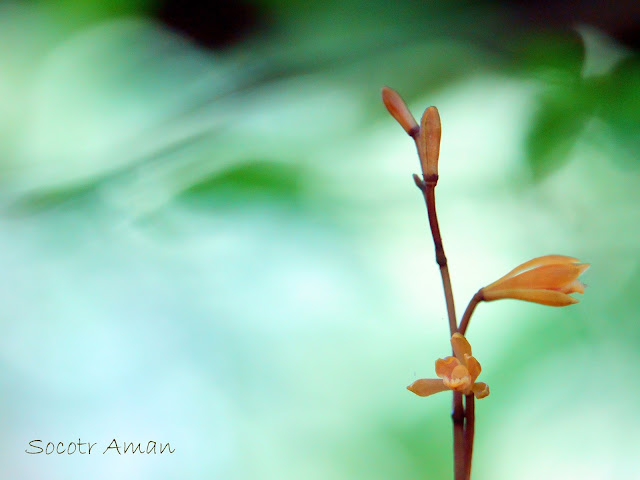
(547, 280)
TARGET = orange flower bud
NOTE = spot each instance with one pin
(546, 280)
(429, 141)
(398, 109)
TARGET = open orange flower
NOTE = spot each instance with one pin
(547, 280)
(457, 373)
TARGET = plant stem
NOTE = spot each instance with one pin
(469, 411)
(427, 187)
(466, 316)
(469, 430)
(459, 450)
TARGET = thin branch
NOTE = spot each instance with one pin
(466, 316)
(469, 411)
(427, 187)
(469, 431)
(459, 450)
(427, 139)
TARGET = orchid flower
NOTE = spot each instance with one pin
(458, 373)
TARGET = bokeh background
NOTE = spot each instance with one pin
(210, 236)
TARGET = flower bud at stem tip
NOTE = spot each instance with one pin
(398, 110)
(429, 141)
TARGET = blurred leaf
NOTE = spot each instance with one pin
(83, 12)
(561, 51)
(256, 179)
(559, 121)
(620, 108)
(65, 196)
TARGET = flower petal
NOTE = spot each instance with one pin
(480, 390)
(460, 347)
(549, 277)
(473, 366)
(574, 287)
(459, 380)
(427, 386)
(537, 262)
(552, 298)
(444, 366)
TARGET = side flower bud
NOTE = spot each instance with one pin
(399, 110)
(547, 280)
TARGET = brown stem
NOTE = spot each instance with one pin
(459, 450)
(469, 430)
(469, 411)
(428, 186)
(466, 316)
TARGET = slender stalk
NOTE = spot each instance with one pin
(469, 411)
(466, 316)
(427, 139)
(469, 430)
(427, 187)
(459, 449)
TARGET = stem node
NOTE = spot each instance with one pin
(431, 180)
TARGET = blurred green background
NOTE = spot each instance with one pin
(210, 236)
